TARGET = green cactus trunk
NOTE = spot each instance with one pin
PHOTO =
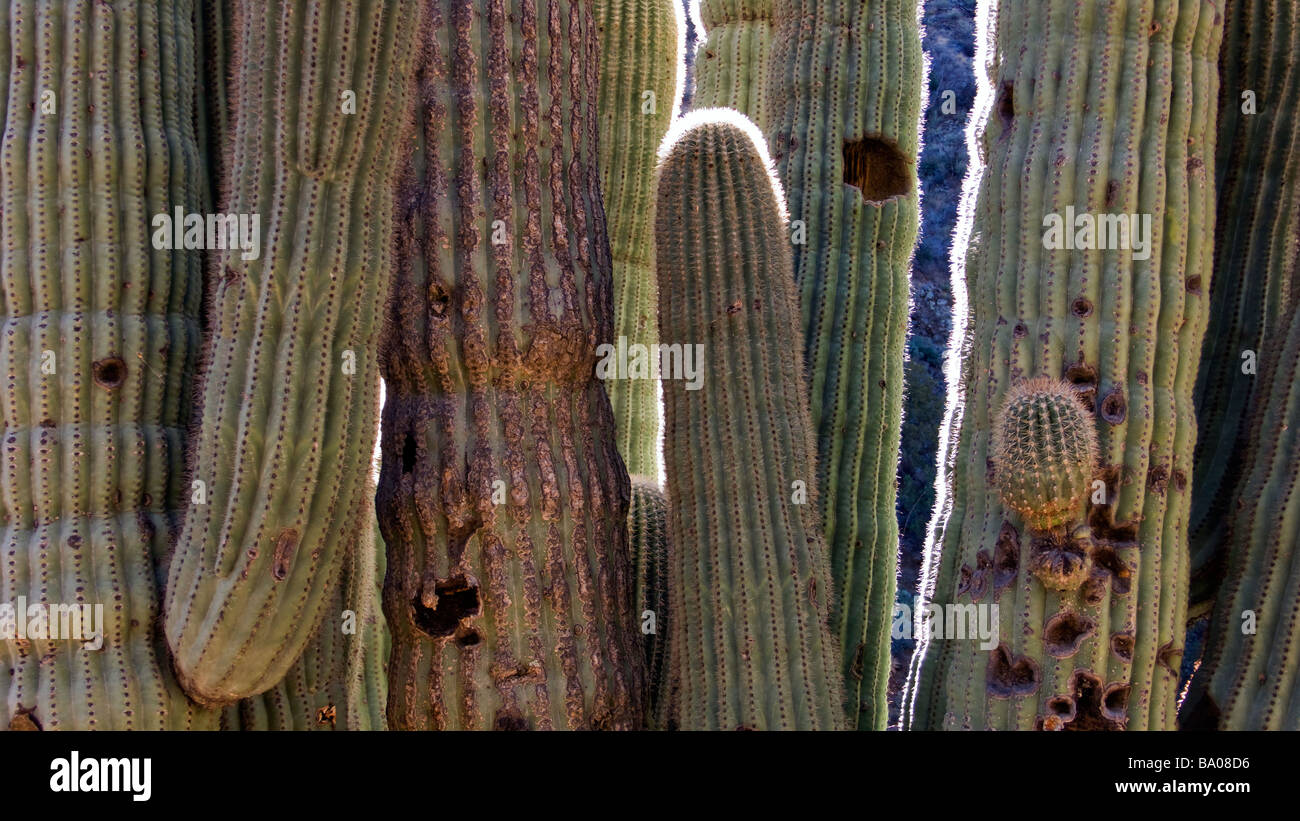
(749, 586)
(1256, 259)
(338, 683)
(289, 396)
(502, 497)
(731, 64)
(647, 528)
(100, 341)
(642, 43)
(1104, 110)
(1249, 678)
(846, 145)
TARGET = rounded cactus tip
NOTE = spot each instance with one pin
(1044, 452)
(725, 130)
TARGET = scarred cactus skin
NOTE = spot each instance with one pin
(502, 496)
(642, 49)
(1250, 679)
(731, 63)
(749, 586)
(845, 83)
(1111, 111)
(647, 530)
(99, 343)
(1044, 453)
(1257, 261)
(289, 395)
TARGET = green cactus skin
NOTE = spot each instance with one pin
(338, 683)
(749, 585)
(846, 144)
(642, 48)
(731, 63)
(647, 529)
(92, 479)
(1106, 109)
(1249, 681)
(289, 398)
(1256, 258)
(502, 496)
(1044, 453)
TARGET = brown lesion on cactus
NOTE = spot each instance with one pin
(1114, 408)
(1193, 285)
(1114, 701)
(327, 715)
(1171, 656)
(1081, 307)
(454, 600)
(1006, 558)
(1060, 560)
(1097, 708)
(1121, 644)
(25, 721)
(1066, 632)
(1006, 104)
(1083, 379)
(286, 544)
(1158, 479)
(1093, 591)
(878, 168)
(109, 373)
(510, 721)
(1009, 675)
(1106, 558)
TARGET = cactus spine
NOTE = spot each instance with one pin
(647, 529)
(99, 345)
(845, 79)
(642, 45)
(1256, 258)
(288, 397)
(502, 497)
(749, 585)
(731, 63)
(1104, 110)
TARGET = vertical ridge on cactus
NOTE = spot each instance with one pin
(642, 49)
(647, 527)
(1087, 110)
(502, 496)
(731, 63)
(288, 402)
(845, 85)
(749, 586)
(99, 341)
(1256, 258)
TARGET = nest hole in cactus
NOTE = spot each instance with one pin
(456, 600)
(109, 372)
(877, 168)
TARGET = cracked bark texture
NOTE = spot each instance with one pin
(1108, 108)
(502, 496)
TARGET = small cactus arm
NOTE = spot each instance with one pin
(1086, 118)
(1249, 677)
(749, 587)
(642, 46)
(1256, 259)
(99, 345)
(338, 681)
(288, 403)
(647, 528)
(731, 63)
(502, 496)
(845, 80)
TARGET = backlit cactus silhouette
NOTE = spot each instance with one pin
(1044, 453)
(844, 83)
(642, 44)
(731, 64)
(289, 401)
(1248, 676)
(1256, 260)
(749, 587)
(647, 526)
(99, 348)
(502, 496)
(1103, 114)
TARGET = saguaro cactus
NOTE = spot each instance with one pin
(731, 64)
(289, 390)
(1256, 258)
(502, 496)
(845, 81)
(647, 526)
(1248, 679)
(1094, 114)
(642, 45)
(749, 586)
(98, 347)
